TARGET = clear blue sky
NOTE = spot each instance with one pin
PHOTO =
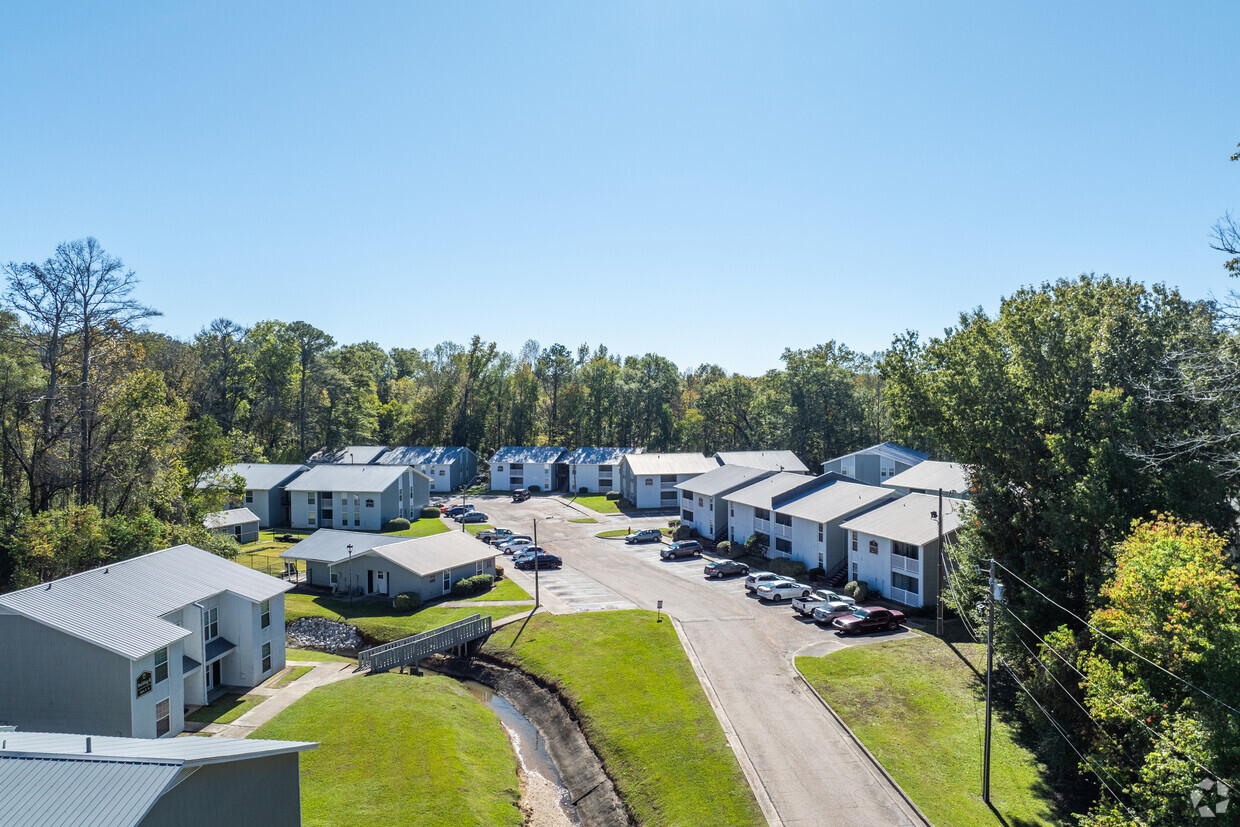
(711, 181)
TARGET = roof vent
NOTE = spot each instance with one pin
(88, 743)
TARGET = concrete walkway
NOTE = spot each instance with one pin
(277, 700)
(467, 604)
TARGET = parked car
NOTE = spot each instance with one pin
(805, 606)
(471, 517)
(829, 595)
(527, 551)
(825, 613)
(753, 581)
(495, 536)
(869, 619)
(459, 508)
(778, 590)
(725, 568)
(645, 535)
(545, 561)
(520, 495)
(681, 548)
(515, 544)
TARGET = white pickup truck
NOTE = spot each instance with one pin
(805, 606)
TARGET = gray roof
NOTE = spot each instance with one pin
(348, 455)
(769, 460)
(598, 456)
(908, 519)
(427, 555)
(761, 493)
(405, 455)
(329, 545)
(259, 476)
(370, 479)
(670, 463)
(528, 453)
(229, 518)
(186, 750)
(932, 475)
(119, 606)
(723, 479)
(836, 500)
(890, 450)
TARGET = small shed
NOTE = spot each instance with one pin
(238, 523)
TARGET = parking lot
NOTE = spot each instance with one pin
(742, 648)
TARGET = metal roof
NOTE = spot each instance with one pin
(908, 519)
(769, 460)
(670, 463)
(414, 455)
(369, 479)
(119, 606)
(427, 555)
(528, 453)
(761, 493)
(229, 518)
(348, 455)
(188, 750)
(259, 476)
(50, 791)
(932, 475)
(723, 479)
(598, 456)
(889, 450)
(836, 500)
(329, 545)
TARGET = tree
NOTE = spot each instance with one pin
(554, 369)
(310, 344)
(1226, 235)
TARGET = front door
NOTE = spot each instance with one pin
(210, 682)
(216, 669)
(370, 581)
(447, 582)
(382, 582)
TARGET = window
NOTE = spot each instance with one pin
(667, 478)
(699, 502)
(761, 514)
(310, 518)
(161, 665)
(517, 481)
(237, 532)
(854, 543)
(731, 510)
(649, 480)
(854, 569)
(335, 578)
(310, 498)
(356, 500)
(499, 469)
(442, 472)
(903, 581)
(783, 519)
(344, 500)
(370, 503)
(874, 547)
(478, 567)
(667, 495)
(686, 516)
(783, 545)
(163, 718)
(210, 624)
(249, 497)
(514, 467)
(848, 467)
(265, 619)
(686, 495)
(904, 550)
(267, 656)
(357, 518)
(820, 532)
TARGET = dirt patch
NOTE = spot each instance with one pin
(591, 790)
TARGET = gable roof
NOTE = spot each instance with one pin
(527, 453)
(259, 476)
(352, 478)
(330, 545)
(932, 475)
(908, 519)
(770, 460)
(687, 463)
(723, 479)
(762, 493)
(118, 606)
(837, 499)
(437, 552)
(888, 450)
(195, 751)
(229, 518)
(348, 455)
(598, 456)
(415, 455)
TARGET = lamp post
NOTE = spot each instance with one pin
(349, 548)
(536, 603)
(938, 599)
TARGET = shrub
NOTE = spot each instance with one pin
(850, 588)
(728, 549)
(499, 571)
(682, 532)
(533, 489)
(406, 602)
(431, 511)
(583, 490)
(786, 567)
(470, 586)
(613, 495)
(816, 573)
(396, 524)
(756, 545)
(673, 523)
(857, 589)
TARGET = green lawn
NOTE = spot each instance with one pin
(584, 520)
(315, 655)
(293, 674)
(395, 749)
(620, 532)
(376, 619)
(503, 590)
(916, 705)
(224, 710)
(421, 528)
(599, 503)
(643, 710)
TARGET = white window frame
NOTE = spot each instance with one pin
(161, 663)
(264, 619)
(163, 717)
(267, 656)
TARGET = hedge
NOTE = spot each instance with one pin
(396, 524)
(786, 567)
(533, 489)
(406, 602)
(613, 495)
(431, 511)
(729, 549)
(470, 586)
(683, 532)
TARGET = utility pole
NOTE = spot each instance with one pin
(990, 663)
(536, 603)
(938, 600)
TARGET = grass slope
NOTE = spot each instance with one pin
(400, 750)
(376, 620)
(315, 655)
(224, 710)
(643, 710)
(915, 704)
(599, 504)
(503, 590)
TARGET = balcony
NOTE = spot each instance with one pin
(784, 531)
(762, 525)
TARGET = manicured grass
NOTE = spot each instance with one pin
(424, 527)
(293, 674)
(315, 655)
(920, 708)
(503, 590)
(474, 528)
(224, 710)
(584, 520)
(376, 619)
(643, 710)
(599, 503)
(395, 749)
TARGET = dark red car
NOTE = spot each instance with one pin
(868, 619)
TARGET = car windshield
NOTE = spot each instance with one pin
(862, 613)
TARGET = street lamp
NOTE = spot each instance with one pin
(349, 548)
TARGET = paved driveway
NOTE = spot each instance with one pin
(804, 768)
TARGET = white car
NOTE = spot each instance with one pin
(828, 612)
(781, 589)
(513, 546)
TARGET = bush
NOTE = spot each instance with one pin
(583, 490)
(857, 589)
(613, 495)
(816, 573)
(673, 523)
(396, 524)
(728, 549)
(756, 545)
(499, 571)
(786, 567)
(406, 602)
(431, 511)
(683, 532)
(471, 586)
(533, 489)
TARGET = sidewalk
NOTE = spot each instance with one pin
(277, 700)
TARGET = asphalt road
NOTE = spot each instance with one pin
(802, 765)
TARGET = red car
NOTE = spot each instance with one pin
(868, 619)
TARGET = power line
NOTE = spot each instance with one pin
(1116, 642)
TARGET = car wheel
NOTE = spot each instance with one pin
(777, 597)
(893, 625)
